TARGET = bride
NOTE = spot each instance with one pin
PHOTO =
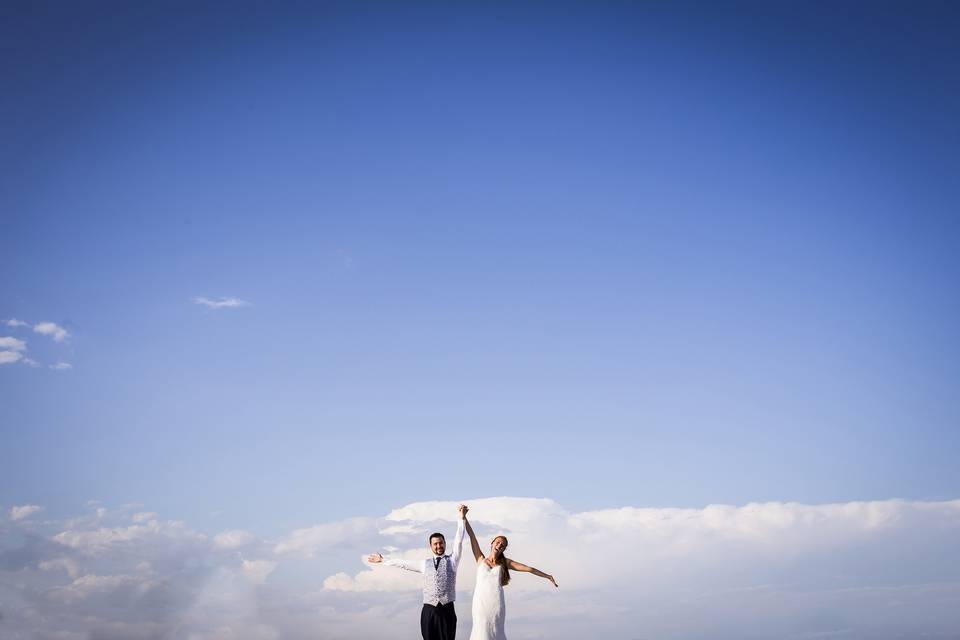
(493, 573)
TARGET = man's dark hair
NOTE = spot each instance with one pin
(436, 535)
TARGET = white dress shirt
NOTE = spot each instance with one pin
(439, 572)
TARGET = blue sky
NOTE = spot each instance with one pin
(284, 282)
(608, 254)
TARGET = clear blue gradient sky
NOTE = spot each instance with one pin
(607, 253)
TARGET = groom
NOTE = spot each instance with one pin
(438, 620)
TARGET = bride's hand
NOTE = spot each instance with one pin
(463, 510)
(550, 578)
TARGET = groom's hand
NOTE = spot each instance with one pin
(463, 510)
(375, 558)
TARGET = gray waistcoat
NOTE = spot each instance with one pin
(439, 584)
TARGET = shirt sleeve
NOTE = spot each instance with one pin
(403, 564)
(457, 545)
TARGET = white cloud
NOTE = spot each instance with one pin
(92, 541)
(65, 564)
(107, 588)
(12, 344)
(257, 570)
(9, 357)
(767, 569)
(233, 539)
(11, 350)
(97, 541)
(13, 322)
(24, 512)
(384, 578)
(141, 516)
(52, 329)
(642, 550)
(310, 541)
(878, 570)
(61, 366)
(256, 632)
(222, 303)
(516, 511)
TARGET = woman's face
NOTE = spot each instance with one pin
(499, 545)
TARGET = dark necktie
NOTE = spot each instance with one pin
(436, 563)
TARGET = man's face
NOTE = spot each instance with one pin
(438, 544)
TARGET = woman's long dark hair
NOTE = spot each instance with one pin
(502, 561)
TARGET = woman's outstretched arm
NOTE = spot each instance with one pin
(477, 552)
(517, 566)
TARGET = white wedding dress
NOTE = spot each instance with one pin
(488, 608)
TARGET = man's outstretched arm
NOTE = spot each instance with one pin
(376, 558)
(458, 539)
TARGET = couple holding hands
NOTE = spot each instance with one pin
(438, 620)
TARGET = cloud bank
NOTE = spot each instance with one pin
(880, 570)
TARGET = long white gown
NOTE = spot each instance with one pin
(489, 611)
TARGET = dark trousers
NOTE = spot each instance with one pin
(438, 622)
